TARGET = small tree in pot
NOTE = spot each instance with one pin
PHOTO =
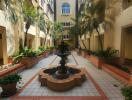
(8, 84)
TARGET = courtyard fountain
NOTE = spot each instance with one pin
(62, 77)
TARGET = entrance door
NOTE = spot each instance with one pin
(3, 46)
(1, 50)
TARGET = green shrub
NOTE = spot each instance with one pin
(107, 54)
(17, 58)
(24, 52)
(124, 68)
(127, 92)
(51, 48)
(27, 52)
(93, 53)
(13, 78)
(41, 48)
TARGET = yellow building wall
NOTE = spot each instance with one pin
(128, 46)
(108, 39)
(122, 21)
(9, 33)
(112, 38)
(65, 18)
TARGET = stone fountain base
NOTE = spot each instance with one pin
(51, 82)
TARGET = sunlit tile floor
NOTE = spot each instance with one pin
(34, 89)
(108, 84)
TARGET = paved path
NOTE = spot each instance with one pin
(108, 84)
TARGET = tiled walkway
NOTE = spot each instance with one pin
(34, 89)
(97, 82)
(108, 84)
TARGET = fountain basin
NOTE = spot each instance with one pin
(47, 78)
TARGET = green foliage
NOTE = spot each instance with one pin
(91, 14)
(107, 54)
(13, 78)
(17, 58)
(57, 28)
(10, 11)
(41, 23)
(24, 52)
(127, 92)
(29, 12)
(48, 26)
(93, 53)
(125, 68)
(40, 50)
(27, 52)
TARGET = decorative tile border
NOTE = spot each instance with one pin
(101, 97)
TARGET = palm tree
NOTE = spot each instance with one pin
(78, 29)
(41, 23)
(30, 15)
(92, 15)
(9, 6)
(48, 27)
(57, 28)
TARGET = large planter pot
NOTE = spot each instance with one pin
(82, 53)
(8, 90)
(85, 54)
(14, 69)
(98, 62)
(88, 56)
(10, 60)
(118, 74)
(29, 61)
(39, 57)
(46, 53)
(79, 51)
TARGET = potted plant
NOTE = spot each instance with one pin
(27, 57)
(106, 56)
(8, 84)
(127, 92)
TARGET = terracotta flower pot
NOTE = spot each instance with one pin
(10, 59)
(29, 61)
(96, 61)
(8, 90)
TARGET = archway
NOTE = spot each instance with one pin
(3, 46)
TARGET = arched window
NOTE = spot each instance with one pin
(65, 9)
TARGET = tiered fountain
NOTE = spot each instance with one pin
(62, 78)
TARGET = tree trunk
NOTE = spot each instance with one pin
(25, 42)
(55, 42)
(76, 31)
(45, 40)
(100, 41)
(76, 40)
(83, 42)
(61, 36)
(89, 46)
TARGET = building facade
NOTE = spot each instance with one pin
(11, 34)
(118, 36)
(65, 11)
